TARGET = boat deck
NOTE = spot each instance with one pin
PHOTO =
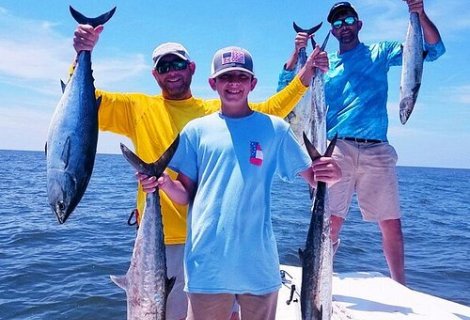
(373, 296)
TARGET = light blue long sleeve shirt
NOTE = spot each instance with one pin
(356, 88)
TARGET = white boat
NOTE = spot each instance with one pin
(369, 296)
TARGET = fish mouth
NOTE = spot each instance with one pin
(61, 211)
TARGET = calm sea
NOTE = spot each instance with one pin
(51, 271)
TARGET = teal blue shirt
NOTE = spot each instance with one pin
(356, 88)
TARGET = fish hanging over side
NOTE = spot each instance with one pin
(316, 258)
(146, 283)
(73, 133)
(412, 69)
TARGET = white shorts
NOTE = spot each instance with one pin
(369, 170)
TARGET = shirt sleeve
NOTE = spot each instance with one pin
(394, 50)
(285, 77)
(283, 102)
(185, 158)
(434, 51)
(116, 113)
(293, 159)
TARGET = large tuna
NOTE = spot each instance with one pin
(316, 258)
(412, 69)
(146, 283)
(73, 133)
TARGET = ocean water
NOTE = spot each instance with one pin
(51, 271)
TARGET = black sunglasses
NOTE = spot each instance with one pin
(176, 65)
(349, 21)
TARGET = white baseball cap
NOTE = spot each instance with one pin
(169, 48)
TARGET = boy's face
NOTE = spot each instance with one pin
(233, 86)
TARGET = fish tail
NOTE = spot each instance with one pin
(151, 169)
(94, 22)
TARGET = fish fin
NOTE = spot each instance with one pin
(151, 169)
(301, 255)
(98, 102)
(164, 160)
(312, 152)
(308, 31)
(120, 281)
(138, 164)
(63, 86)
(66, 152)
(323, 46)
(94, 22)
(331, 146)
(169, 284)
(45, 149)
(311, 191)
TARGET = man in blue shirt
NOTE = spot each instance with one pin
(356, 95)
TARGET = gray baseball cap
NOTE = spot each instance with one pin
(229, 59)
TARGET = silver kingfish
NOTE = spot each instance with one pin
(146, 283)
(316, 258)
(412, 69)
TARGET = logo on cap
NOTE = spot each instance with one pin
(231, 59)
(233, 56)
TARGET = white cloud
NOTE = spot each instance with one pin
(35, 56)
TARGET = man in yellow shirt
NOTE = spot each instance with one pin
(152, 122)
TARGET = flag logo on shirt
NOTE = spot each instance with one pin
(233, 56)
(256, 154)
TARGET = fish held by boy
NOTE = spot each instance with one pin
(317, 273)
(146, 283)
(73, 133)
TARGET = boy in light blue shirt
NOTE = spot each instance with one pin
(226, 163)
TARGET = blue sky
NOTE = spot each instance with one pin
(36, 51)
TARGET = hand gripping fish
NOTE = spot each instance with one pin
(146, 283)
(317, 273)
(309, 115)
(412, 69)
(73, 133)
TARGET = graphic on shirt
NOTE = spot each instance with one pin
(233, 56)
(256, 154)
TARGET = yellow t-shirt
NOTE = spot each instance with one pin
(152, 123)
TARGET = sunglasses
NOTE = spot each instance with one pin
(175, 65)
(349, 21)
